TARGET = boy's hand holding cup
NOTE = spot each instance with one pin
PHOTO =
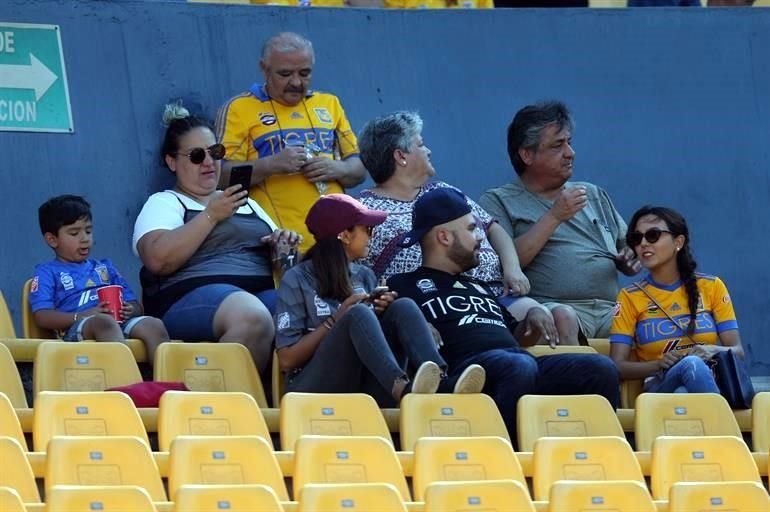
(112, 296)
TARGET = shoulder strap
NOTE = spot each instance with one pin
(179, 199)
(649, 296)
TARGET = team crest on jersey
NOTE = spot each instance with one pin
(323, 115)
(426, 286)
(34, 284)
(321, 307)
(66, 280)
(283, 321)
(676, 307)
(104, 274)
(267, 118)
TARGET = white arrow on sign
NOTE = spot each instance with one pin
(35, 76)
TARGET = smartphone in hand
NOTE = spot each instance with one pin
(376, 293)
(241, 175)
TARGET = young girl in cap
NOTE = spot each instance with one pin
(337, 332)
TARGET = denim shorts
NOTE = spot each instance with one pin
(191, 318)
(75, 332)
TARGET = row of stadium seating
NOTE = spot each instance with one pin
(197, 413)
(87, 445)
(482, 496)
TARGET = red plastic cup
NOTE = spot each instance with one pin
(113, 296)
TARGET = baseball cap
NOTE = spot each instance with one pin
(334, 213)
(439, 206)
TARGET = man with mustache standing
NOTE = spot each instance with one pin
(297, 142)
(569, 237)
(474, 328)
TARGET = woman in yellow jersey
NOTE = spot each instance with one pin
(675, 319)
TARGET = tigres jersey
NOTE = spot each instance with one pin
(252, 126)
(640, 323)
(71, 287)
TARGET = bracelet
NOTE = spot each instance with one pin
(209, 217)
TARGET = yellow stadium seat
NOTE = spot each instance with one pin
(760, 422)
(278, 380)
(629, 391)
(447, 459)
(105, 498)
(85, 413)
(210, 367)
(10, 382)
(601, 345)
(327, 414)
(545, 350)
(718, 496)
(582, 458)
(487, 496)
(61, 366)
(16, 472)
(448, 415)
(346, 460)
(564, 416)
(7, 330)
(616, 496)
(223, 460)
(350, 498)
(232, 498)
(682, 414)
(191, 413)
(9, 422)
(10, 501)
(30, 329)
(101, 460)
(699, 459)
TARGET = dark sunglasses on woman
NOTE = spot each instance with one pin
(198, 155)
(652, 235)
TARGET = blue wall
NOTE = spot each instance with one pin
(672, 107)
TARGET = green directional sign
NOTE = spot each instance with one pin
(34, 96)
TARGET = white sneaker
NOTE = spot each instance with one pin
(427, 378)
(471, 380)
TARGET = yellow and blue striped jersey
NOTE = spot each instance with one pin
(640, 323)
(252, 126)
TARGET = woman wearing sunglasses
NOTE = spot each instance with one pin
(207, 253)
(674, 320)
(339, 333)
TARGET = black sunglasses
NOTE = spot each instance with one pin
(198, 155)
(652, 235)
